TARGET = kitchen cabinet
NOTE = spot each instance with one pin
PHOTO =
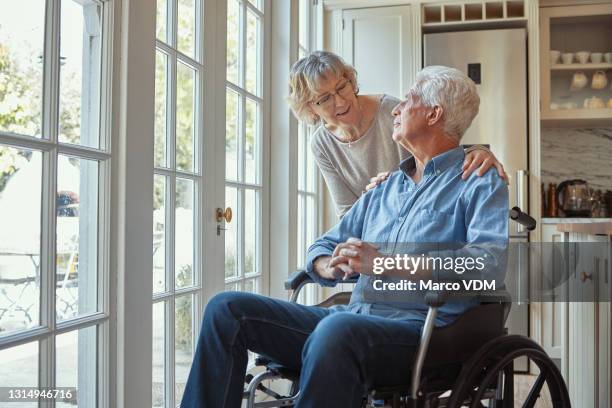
(576, 323)
(553, 322)
(576, 65)
(396, 63)
(589, 320)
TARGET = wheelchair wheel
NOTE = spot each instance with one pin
(487, 379)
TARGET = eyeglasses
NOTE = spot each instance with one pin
(344, 90)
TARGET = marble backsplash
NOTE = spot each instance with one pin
(577, 154)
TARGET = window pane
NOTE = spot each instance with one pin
(257, 3)
(233, 41)
(231, 234)
(80, 69)
(162, 17)
(304, 29)
(251, 147)
(159, 234)
(312, 170)
(77, 237)
(186, 27)
(76, 365)
(19, 368)
(183, 342)
(232, 105)
(185, 108)
(232, 287)
(161, 106)
(159, 354)
(311, 221)
(252, 53)
(251, 285)
(184, 241)
(22, 26)
(20, 230)
(301, 156)
(251, 232)
(301, 246)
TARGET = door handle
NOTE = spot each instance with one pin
(584, 276)
(221, 215)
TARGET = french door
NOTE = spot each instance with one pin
(55, 161)
(209, 182)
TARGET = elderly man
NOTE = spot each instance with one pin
(344, 351)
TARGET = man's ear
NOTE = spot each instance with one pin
(434, 115)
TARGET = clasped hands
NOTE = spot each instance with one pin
(349, 258)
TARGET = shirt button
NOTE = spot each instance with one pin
(401, 218)
(438, 172)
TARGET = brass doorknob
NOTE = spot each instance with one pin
(584, 276)
(224, 215)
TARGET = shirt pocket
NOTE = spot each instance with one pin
(433, 226)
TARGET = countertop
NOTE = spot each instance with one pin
(574, 220)
(590, 228)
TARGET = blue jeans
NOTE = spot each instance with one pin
(340, 355)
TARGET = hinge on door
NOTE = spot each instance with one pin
(315, 2)
(343, 24)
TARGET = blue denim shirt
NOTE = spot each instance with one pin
(401, 216)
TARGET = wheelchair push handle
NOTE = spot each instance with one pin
(522, 218)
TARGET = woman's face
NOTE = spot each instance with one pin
(335, 102)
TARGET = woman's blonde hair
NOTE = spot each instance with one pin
(304, 80)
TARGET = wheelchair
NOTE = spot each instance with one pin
(450, 368)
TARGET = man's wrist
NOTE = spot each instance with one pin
(320, 264)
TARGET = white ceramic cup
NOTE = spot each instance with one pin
(570, 105)
(608, 57)
(554, 56)
(583, 56)
(567, 57)
(579, 81)
(596, 57)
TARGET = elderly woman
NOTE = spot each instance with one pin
(353, 146)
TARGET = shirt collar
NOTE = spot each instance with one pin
(436, 165)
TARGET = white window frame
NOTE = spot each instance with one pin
(134, 184)
(310, 295)
(261, 187)
(171, 174)
(51, 148)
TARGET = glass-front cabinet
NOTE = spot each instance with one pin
(576, 65)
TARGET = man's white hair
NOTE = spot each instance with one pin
(452, 90)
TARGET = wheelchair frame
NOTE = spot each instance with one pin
(486, 374)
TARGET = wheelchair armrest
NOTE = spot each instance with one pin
(296, 278)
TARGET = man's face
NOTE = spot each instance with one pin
(410, 119)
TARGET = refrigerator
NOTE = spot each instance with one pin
(497, 62)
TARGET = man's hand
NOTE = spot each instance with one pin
(376, 180)
(360, 255)
(482, 160)
(333, 267)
